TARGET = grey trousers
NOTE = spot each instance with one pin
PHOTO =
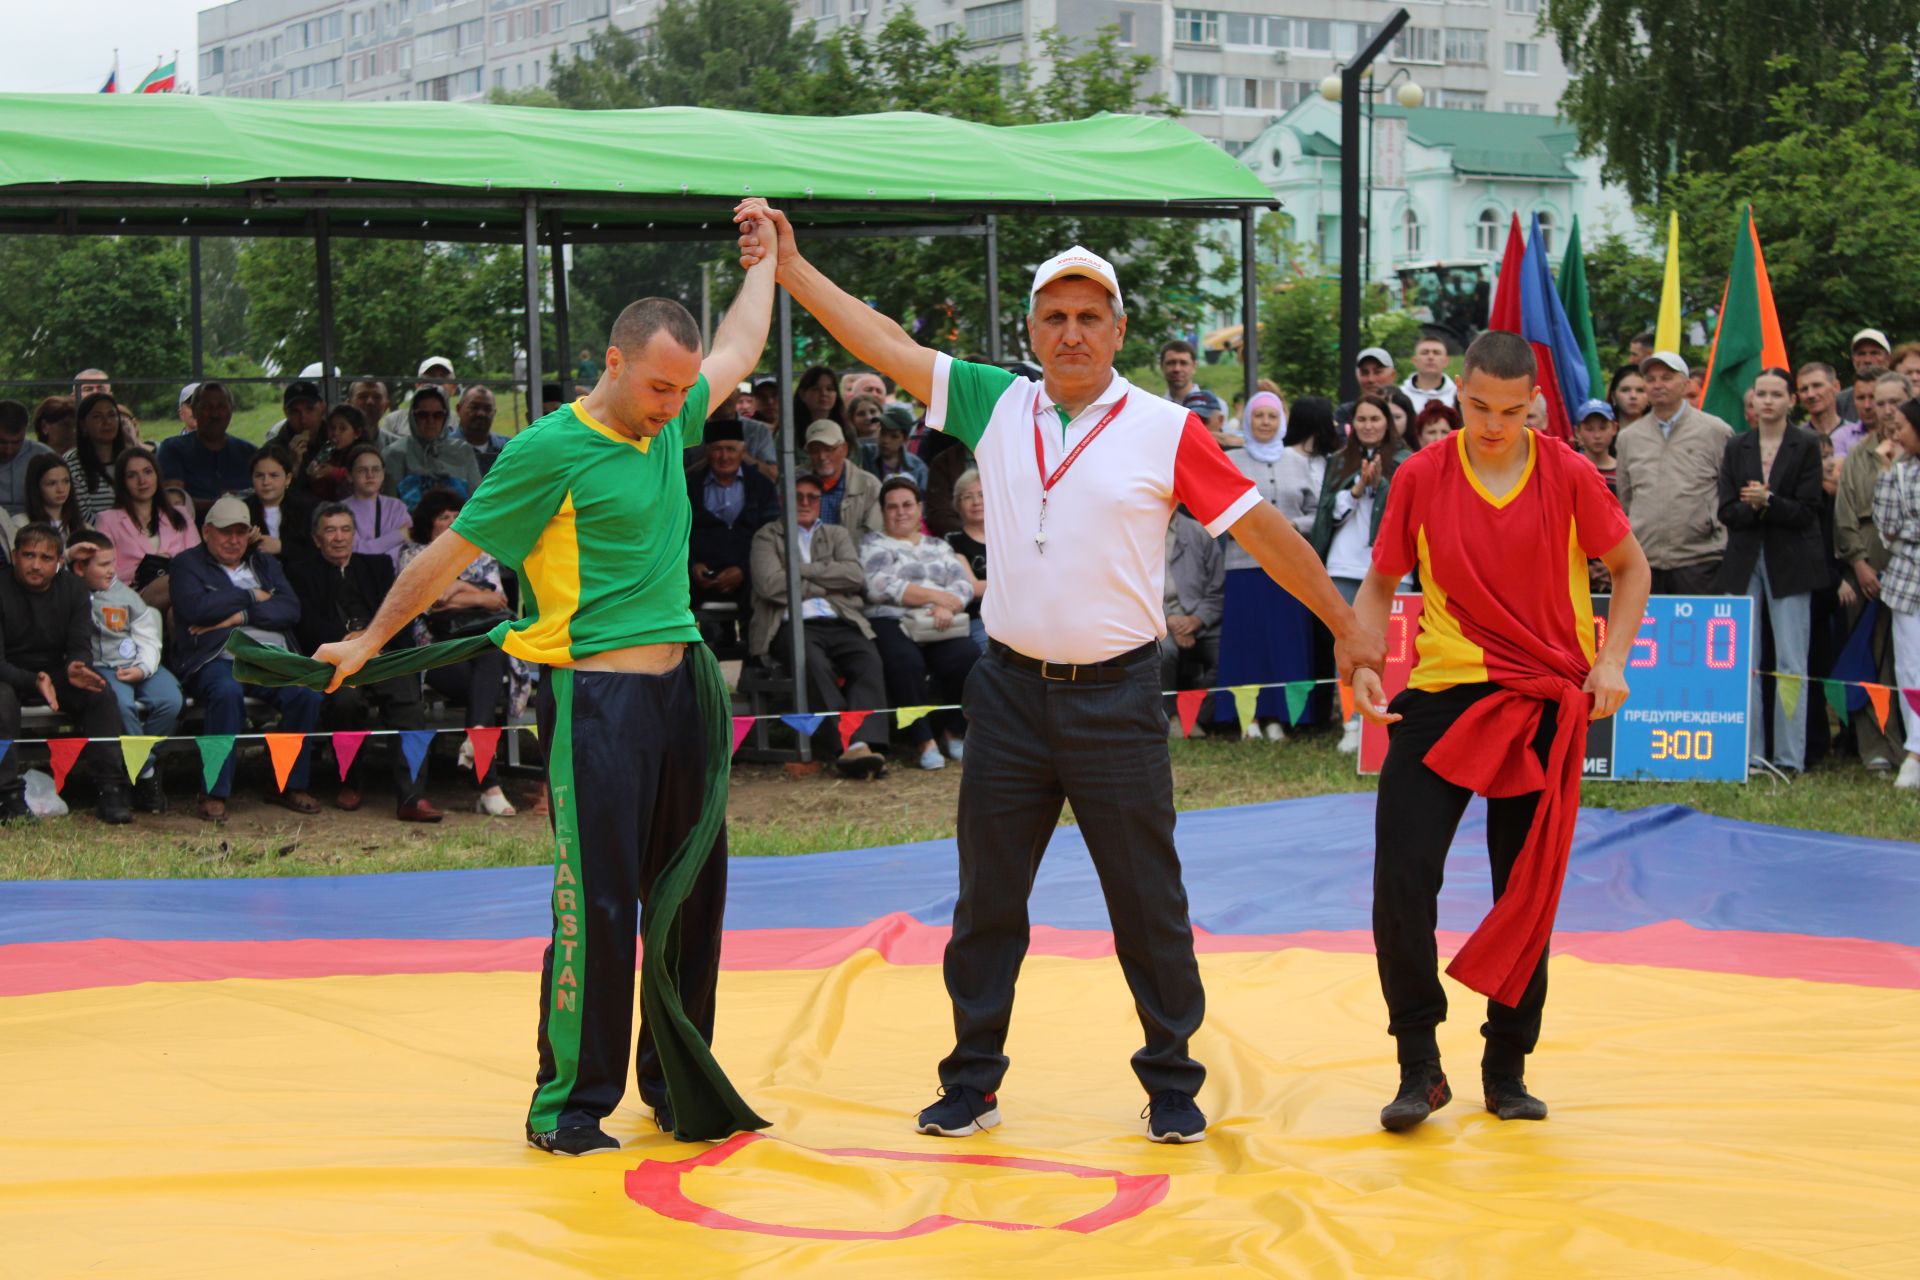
(1033, 744)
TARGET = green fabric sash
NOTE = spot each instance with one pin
(706, 1106)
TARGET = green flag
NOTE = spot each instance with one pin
(1573, 300)
(1740, 339)
(214, 750)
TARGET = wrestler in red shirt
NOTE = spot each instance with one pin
(1500, 521)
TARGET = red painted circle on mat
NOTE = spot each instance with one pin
(656, 1185)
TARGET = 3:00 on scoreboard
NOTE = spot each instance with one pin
(1686, 715)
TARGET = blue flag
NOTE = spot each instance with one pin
(413, 745)
(1544, 324)
(802, 725)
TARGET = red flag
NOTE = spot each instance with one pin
(65, 752)
(285, 749)
(346, 745)
(742, 726)
(850, 722)
(485, 741)
(1188, 701)
(1506, 291)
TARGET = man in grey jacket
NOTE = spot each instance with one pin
(1669, 478)
(1196, 596)
(839, 641)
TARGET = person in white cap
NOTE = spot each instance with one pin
(1082, 473)
(1871, 352)
(1374, 369)
(1667, 474)
(435, 371)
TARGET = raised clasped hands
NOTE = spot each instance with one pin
(764, 230)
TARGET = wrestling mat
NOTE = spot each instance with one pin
(327, 1077)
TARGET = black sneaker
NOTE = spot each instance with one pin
(573, 1140)
(14, 807)
(1171, 1116)
(113, 808)
(1423, 1091)
(148, 795)
(1507, 1097)
(961, 1110)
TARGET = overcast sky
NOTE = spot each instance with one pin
(67, 45)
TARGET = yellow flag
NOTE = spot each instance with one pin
(1246, 697)
(135, 752)
(904, 716)
(1666, 333)
(1787, 689)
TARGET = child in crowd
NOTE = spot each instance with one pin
(126, 653)
(380, 521)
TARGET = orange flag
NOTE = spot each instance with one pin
(285, 749)
(1346, 702)
(1882, 699)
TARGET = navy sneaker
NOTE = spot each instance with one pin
(572, 1140)
(1423, 1091)
(1171, 1116)
(1507, 1097)
(962, 1110)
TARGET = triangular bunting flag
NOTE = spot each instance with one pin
(485, 740)
(802, 725)
(284, 748)
(533, 729)
(214, 750)
(136, 751)
(346, 745)
(1836, 691)
(1346, 702)
(414, 744)
(1913, 699)
(742, 726)
(1246, 698)
(1187, 704)
(1298, 691)
(1882, 699)
(1787, 689)
(850, 722)
(65, 752)
(904, 716)
(6, 745)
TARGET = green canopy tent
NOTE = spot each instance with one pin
(178, 165)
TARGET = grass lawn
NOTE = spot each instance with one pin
(775, 814)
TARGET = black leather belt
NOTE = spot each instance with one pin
(1112, 671)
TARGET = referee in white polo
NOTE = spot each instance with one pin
(1081, 474)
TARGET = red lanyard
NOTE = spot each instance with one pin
(1040, 462)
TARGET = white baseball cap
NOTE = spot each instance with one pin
(1379, 355)
(431, 361)
(1870, 335)
(1077, 261)
(1668, 359)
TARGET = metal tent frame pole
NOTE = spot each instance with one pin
(1249, 307)
(530, 240)
(562, 338)
(194, 295)
(1351, 77)
(789, 441)
(993, 289)
(323, 282)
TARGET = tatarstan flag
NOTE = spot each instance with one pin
(1748, 337)
(159, 80)
(1573, 298)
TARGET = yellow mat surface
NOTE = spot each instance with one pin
(1703, 1124)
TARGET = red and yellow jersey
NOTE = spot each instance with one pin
(1504, 576)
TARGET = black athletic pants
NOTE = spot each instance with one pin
(1033, 744)
(1414, 824)
(626, 761)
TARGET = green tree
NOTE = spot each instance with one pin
(1836, 199)
(1667, 87)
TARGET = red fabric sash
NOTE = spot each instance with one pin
(1489, 750)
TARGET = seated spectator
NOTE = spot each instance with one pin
(281, 516)
(816, 396)
(862, 382)
(969, 542)
(221, 586)
(90, 380)
(368, 396)
(1434, 423)
(54, 423)
(340, 590)
(147, 527)
(1770, 500)
(473, 603)
(324, 473)
(300, 432)
(890, 457)
(731, 501)
(944, 469)
(863, 425)
(1195, 601)
(394, 428)
(917, 593)
(476, 409)
(183, 408)
(127, 641)
(766, 401)
(380, 523)
(762, 453)
(16, 455)
(51, 499)
(209, 462)
(46, 659)
(849, 497)
(431, 457)
(843, 666)
(100, 441)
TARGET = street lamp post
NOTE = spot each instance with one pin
(1350, 92)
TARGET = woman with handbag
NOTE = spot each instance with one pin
(474, 604)
(149, 527)
(917, 593)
